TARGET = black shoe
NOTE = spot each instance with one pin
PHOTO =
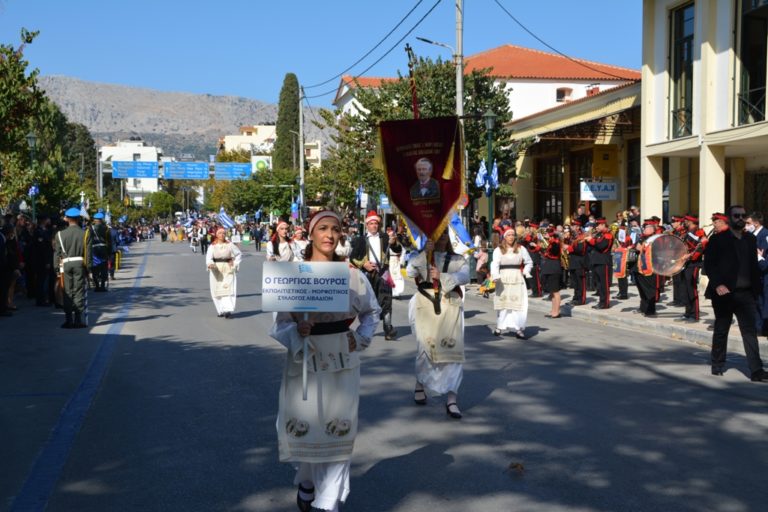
(572, 303)
(305, 505)
(227, 315)
(79, 325)
(717, 370)
(67, 325)
(600, 306)
(520, 335)
(391, 334)
(455, 414)
(759, 376)
(650, 315)
(420, 396)
(621, 297)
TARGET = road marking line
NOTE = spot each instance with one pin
(49, 464)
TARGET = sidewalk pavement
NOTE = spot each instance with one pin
(626, 314)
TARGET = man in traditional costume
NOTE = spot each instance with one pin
(318, 435)
(370, 253)
(223, 262)
(437, 321)
(510, 267)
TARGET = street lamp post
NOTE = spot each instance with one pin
(293, 146)
(490, 120)
(32, 142)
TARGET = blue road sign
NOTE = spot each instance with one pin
(232, 171)
(384, 202)
(185, 170)
(131, 169)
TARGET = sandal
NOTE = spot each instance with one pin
(420, 396)
(455, 414)
(305, 505)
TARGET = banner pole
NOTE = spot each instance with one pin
(304, 363)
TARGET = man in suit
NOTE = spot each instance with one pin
(730, 261)
(427, 187)
(755, 226)
(370, 253)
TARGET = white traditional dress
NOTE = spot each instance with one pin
(440, 336)
(223, 276)
(511, 297)
(286, 251)
(318, 434)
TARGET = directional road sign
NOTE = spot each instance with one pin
(131, 169)
(185, 170)
(232, 171)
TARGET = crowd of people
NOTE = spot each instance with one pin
(39, 263)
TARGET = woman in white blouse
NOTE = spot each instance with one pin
(510, 266)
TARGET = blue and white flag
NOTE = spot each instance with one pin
(359, 195)
(461, 241)
(108, 218)
(84, 210)
(482, 175)
(494, 179)
(225, 219)
(122, 219)
(418, 238)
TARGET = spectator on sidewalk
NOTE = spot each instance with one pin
(734, 285)
(755, 226)
(5, 273)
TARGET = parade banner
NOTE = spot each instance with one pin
(305, 286)
(423, 165)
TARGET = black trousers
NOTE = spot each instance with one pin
(602, 274)
(579, 281)
(742, 304)
(677, 287)
(534, 282)
(647, 289)
(690, 289)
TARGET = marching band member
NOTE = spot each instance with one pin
(318, 435)
(678, 230)
(645, 280)
(437, 321)
(531, 241)
(696, 240)
(510, 267)
(601, 259)
(626, 240)
(577, 264)
(551, 272)
(719, 222)
(223, 262)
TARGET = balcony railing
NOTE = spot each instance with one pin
(752, 106)
(681, 122)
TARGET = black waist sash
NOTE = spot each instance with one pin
(329, 328)
(222, 260)
(502, 267)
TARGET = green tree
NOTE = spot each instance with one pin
(162, 202)
(287, 122)
(350, 162)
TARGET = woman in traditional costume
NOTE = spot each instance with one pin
(281, 247)
(437, 321)
(317, 435)
(510, 267)
(223, 261)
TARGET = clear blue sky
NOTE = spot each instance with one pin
(245, 47)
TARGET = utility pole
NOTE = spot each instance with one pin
(302, 202)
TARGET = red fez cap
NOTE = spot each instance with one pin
(576, 222)
(371, 216)
(600, 220)
(650, 221)
(691, 218)
(677, 218)
(533, 225)
(719, 216)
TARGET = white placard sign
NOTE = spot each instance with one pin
(599, 191)
(305, 286)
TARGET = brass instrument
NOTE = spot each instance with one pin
(565, 256)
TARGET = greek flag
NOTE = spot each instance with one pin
(122, 219)
(225, 219)
(482, 175)
(108, 218)
(359, 195)
(494, 179)
(461, 241)
(84, 210)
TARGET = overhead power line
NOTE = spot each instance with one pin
(358, 61)
(576, 61)
(387, 52)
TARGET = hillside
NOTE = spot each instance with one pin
(180, 123)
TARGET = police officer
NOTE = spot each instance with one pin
(102, 248)
(73, 253)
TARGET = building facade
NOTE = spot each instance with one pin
(704, 135)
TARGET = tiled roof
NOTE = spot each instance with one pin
(510, 61)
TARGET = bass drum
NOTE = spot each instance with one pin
(667, 254)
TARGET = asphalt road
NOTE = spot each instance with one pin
(163, 406)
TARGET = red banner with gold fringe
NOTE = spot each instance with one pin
(423, 165)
